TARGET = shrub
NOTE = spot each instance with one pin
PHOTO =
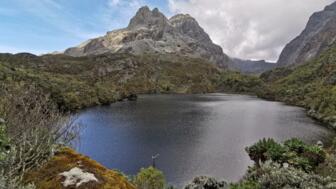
(34, 128)
(295, 145)
(13, 184)
(150, 178)
(265, 149)
(294, 152)
(315, 155)
(273, 175)
(246, 184)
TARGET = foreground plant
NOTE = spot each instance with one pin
(273, 175)
(293, 152)
(150, 178)
(32, 130)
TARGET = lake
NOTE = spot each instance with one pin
(193, 134)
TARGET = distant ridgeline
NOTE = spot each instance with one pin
(78, 82)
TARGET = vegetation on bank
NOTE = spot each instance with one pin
(235, 82)
(292, 164)
(78, 82)
(312, 86)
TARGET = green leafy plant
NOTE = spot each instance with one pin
(295, 145)
(265, 149)
(150, 178)
(293, 152)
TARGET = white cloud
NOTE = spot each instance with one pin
(251, 29)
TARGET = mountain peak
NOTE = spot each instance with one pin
(147, 18)
(149, 31)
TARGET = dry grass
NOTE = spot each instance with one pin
(47, 177)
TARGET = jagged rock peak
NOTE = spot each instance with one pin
(147, 18)
(150, 31)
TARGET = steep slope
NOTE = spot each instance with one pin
(312, 85)
(149, 31)
(319, 33)
(250, 66)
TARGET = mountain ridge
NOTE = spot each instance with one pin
(318, 35)
(150, 31)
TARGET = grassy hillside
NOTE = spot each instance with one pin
(80, 82)
(312, 86)
(48, 176)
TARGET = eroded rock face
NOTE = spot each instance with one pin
(149, 31)
(318, 35)
(204, 182)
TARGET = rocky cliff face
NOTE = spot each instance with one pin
(149, 31)
(318, 35)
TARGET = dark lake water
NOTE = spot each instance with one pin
(194, 134)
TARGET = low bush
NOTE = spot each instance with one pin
(150, 178)
(273, 175)
(246, 184)
(32, 130)
(293, 152)
(264, 150)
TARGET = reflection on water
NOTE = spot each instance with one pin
(194, 134)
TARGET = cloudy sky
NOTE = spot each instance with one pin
(249, 29)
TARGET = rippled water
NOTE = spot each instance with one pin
(194, 134)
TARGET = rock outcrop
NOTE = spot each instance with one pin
(150, 32)
(318, 35)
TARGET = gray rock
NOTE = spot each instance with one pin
(149, 31)
(2, 121)
(204, 182)
(318, 35)
(319, 144)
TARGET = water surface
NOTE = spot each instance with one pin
(194, 134)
